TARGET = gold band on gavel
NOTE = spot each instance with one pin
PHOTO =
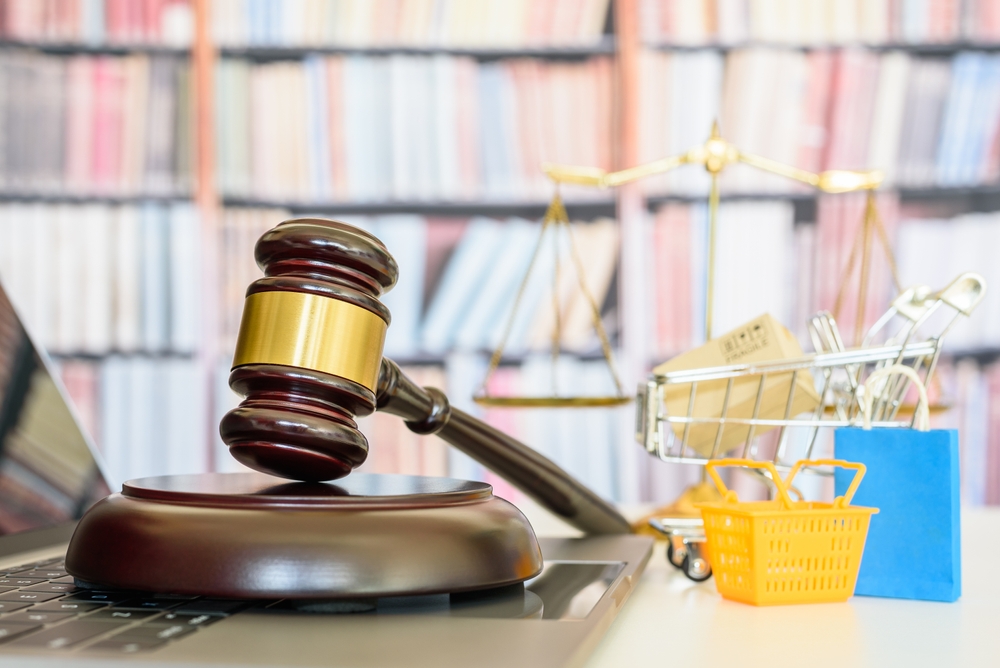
(311, 332)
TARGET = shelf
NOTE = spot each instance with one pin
(905, 192)
(70, 48)
(602, 48)
(605, 47)
(101, 357)
(69, 198)
(942, 49)
(530, 209)
(981, 198)
(976, 198)
(980, 355)
(425, 359)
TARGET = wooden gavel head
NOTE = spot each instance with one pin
(309, 350)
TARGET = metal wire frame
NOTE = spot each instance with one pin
(837, 373)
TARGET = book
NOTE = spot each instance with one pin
(489, 312)
(98, 278)
(924, 121)
(707, 22)
(127, 280)
(95, 222)
(114, 125)
(405, 236)
(935, 251)
(419, 23)
(408, 128)
(153, 22)
(466, 273)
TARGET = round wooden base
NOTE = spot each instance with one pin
(248, 535)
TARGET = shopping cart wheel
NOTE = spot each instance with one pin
(676, 556)
(695, 566)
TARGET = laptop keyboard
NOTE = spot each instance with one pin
(41, 608)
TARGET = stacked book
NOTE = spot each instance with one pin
(765, 264)
(94, 125)
(754, 261)
(458, 279)
(407, 128)
(479, 24)
(924, 121)
(933, 251)
(90, 22)
(810, 22)
(148, 416)
(96, 279)
(973, 390)
(239, 230)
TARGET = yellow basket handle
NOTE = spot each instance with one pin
(840, 501)
(730, 495)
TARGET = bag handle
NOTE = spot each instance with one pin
(729, 495)
(922, 422)
(840, 501)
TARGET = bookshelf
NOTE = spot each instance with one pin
(946, 49)
(73, 48)
(605, 47)
(626, 43)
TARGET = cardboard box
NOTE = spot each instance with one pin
(763, 339)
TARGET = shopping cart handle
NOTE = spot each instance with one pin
(964, 293)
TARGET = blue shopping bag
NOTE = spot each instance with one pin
(914, 543)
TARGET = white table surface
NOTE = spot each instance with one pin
(670, 620)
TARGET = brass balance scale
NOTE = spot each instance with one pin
(714, 155)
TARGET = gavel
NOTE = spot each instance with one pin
(309, 361)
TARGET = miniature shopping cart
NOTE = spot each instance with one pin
(837, 373)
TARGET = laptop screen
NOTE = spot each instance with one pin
(48, 473)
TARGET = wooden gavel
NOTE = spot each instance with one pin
(309, 360)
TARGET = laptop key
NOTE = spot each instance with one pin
(29, 596)
(212, 607)
(66, 578)
(33, 616)
(10, 630)
(44, 574)
(67, 606)
(66, 635)
(11, 606)
(157, 632)
(5, 589)
(147, 604)
(100, 596)
(52, 587)
(20, 582)
(128, 615)
(195, 621)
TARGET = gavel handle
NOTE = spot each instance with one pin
(427, 411)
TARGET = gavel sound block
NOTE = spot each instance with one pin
(308, 361)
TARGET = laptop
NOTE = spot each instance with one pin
(50, 474)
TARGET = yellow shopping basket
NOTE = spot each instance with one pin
(784, 551)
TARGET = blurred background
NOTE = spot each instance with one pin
(146, 144)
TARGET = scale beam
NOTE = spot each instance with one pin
(715, 155)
